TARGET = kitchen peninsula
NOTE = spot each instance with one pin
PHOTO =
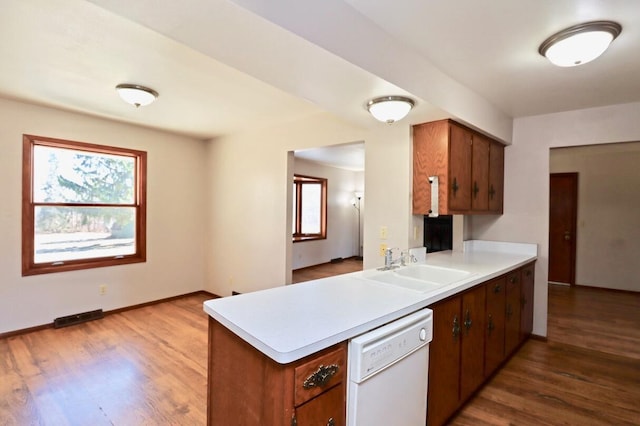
(266, 347)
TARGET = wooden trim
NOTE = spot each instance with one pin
(298, 181)
(114, 311)
(29, 267)
(538, 338)
(607, 289)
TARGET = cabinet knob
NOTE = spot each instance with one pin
(456, 327)
(497, 288)
(455, 186)
(491, 325)
(467, 321)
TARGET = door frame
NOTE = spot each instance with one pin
(574, 221)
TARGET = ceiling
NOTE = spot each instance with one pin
(221, 64)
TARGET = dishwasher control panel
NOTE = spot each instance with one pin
(388, 344)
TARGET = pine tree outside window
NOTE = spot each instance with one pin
(84, 205)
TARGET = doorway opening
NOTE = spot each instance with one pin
(343, 168)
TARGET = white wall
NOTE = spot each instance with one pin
(342, 217)
(608, 234)
(249, 240)
(388, 181)
(175, 221)
(526, 203)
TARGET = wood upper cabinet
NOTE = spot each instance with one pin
(494, 329)
(512, 312)
(455, 362)
(459, 185)
(464, 161)
(480, 173)
(246, 387)
(496, 177)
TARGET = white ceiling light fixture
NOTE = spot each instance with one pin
(390, 109)
(580, 43)
(136, 95)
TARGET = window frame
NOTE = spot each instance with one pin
(29, 267)
(299, 181)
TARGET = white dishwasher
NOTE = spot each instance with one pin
(388, 370)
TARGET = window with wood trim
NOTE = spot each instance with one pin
(309, 208)
(83, 205)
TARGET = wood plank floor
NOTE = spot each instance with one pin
(326, 270)
(143, 366)
(148, 366)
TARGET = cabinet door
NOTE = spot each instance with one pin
(512, 313)
(496, 177)
(472, 357)
(526, 301)
(494, 329)
(459, 169)
(444, 362)
(480, 173)
(326, 409)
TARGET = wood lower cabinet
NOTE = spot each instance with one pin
(494, 330)
(473, 322)
(512, 313)
(474, 332)
(455, 370)
(245, 387)
(526, 301)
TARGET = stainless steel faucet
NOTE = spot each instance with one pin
(391, 263)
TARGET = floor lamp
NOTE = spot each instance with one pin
(356, 204)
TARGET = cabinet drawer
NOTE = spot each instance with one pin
(319, 374)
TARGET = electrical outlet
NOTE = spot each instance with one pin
(383, 232)
(383, 249)
(102, 289)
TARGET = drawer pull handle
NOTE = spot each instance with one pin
(321, 377)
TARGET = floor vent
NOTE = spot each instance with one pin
(77, 318)
(337, 260)
(235, 293)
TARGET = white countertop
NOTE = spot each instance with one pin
(288, 323)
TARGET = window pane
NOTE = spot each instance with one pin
(70, 176)
(68, 233)
(311, 205)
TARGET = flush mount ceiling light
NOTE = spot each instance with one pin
(390, 109)
(136, 95)
(579, 44)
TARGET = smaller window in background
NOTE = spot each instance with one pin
(84, 205)
(309, 208)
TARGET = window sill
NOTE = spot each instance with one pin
(308, 238)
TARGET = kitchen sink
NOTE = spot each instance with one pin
(434, 274)
(420, 278)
